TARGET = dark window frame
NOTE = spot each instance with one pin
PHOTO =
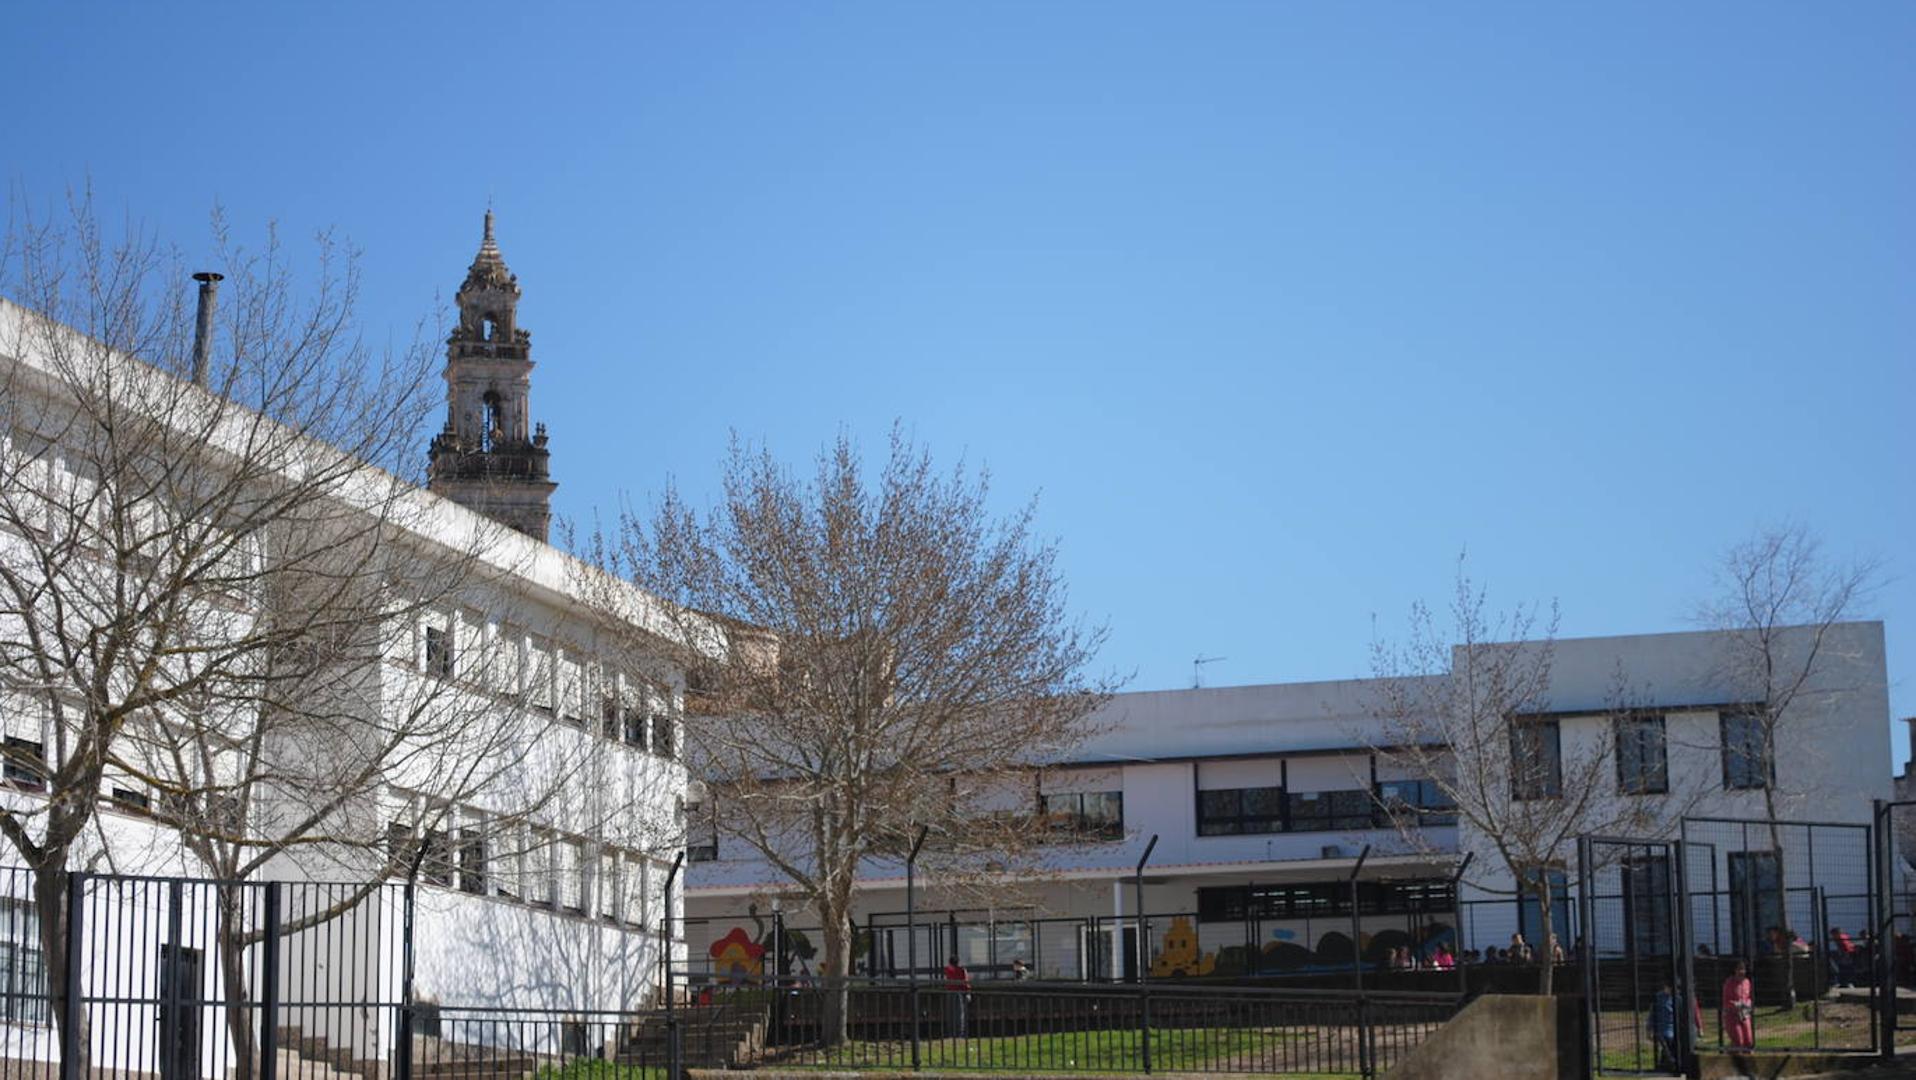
(471, 869)
(1237, 822)
(1070, 812)
(1525, 741)
(1631, 736)
(1428, 805)
(438, 651)
(1738, 772)
(26, 764)
(1343, 810)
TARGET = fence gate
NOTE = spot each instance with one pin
(1633, 952)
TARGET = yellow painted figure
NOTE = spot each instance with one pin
(1179, 955)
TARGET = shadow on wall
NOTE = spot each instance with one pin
(488, 952)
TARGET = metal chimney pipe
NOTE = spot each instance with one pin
(203, 326)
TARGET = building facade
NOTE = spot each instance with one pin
(1261, 800)
(521, 728)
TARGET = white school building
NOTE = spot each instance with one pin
(1263, 797)
(552, 902)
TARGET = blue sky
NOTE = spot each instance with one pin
(1280, 306)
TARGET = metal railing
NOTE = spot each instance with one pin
(1026, 1026)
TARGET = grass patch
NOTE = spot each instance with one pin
(1250, 1050)
(595, 1069)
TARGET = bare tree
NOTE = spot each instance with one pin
(1779, 600)
(895, 655)
(1466, 703)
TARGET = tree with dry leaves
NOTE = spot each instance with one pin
(897, 658)
(1466, 702)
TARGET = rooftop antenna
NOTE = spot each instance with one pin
(1197, 669)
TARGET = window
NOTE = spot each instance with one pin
(23, 971)
(633, 718)
(609, 717)
(1747, 762)
(1646, 909)
(1756, 900)
(662, 735)
(131, 801)
(1236, 903)
(635, 883)
(26, 765)
(400, 851)
(1536, 759)
(571, 691)
(1416, 802)
(542, 883)
(701, 833)
(436, 867)
(1235, 811)
(1089, 813)
(1643, 764)
(1331, 811)
(572, 871)
(438, 652)
(539, 675)
(472, 860)
(1530, 917)
(609, 882)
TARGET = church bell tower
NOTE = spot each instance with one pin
(489, 457)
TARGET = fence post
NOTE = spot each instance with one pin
(269, 987)
(911, 938)
(73, 1006)
(1357, 967)
(672, 1055)
(1144, 956)
(402, 1050)
(170, 982)
(1885, 928)
(1456, 901)
(1587, 918)
(1684, 942)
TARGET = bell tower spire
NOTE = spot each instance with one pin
(490, 457)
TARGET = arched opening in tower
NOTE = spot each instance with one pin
(493, 431)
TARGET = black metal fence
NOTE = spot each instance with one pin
(994, 945)
(1738, 936)
(187, 979)
(1026, 1026)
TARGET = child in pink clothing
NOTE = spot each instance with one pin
(1739, 1006)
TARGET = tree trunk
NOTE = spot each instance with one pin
(239, 1013)
(1541, 950)
(836, 990)
(50, 903)
(1787, 952)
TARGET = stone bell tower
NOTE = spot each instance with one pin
(489, 457)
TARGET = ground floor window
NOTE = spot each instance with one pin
(23, 971)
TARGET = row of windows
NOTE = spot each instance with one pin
(1642, 754)
(1312, 899)
(551, 681)
(538, 867)
(1249, 811)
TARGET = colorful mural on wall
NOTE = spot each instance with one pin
(1334, 952)
(1178, 955)
(736, 958)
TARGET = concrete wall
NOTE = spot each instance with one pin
(1513, 1037)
